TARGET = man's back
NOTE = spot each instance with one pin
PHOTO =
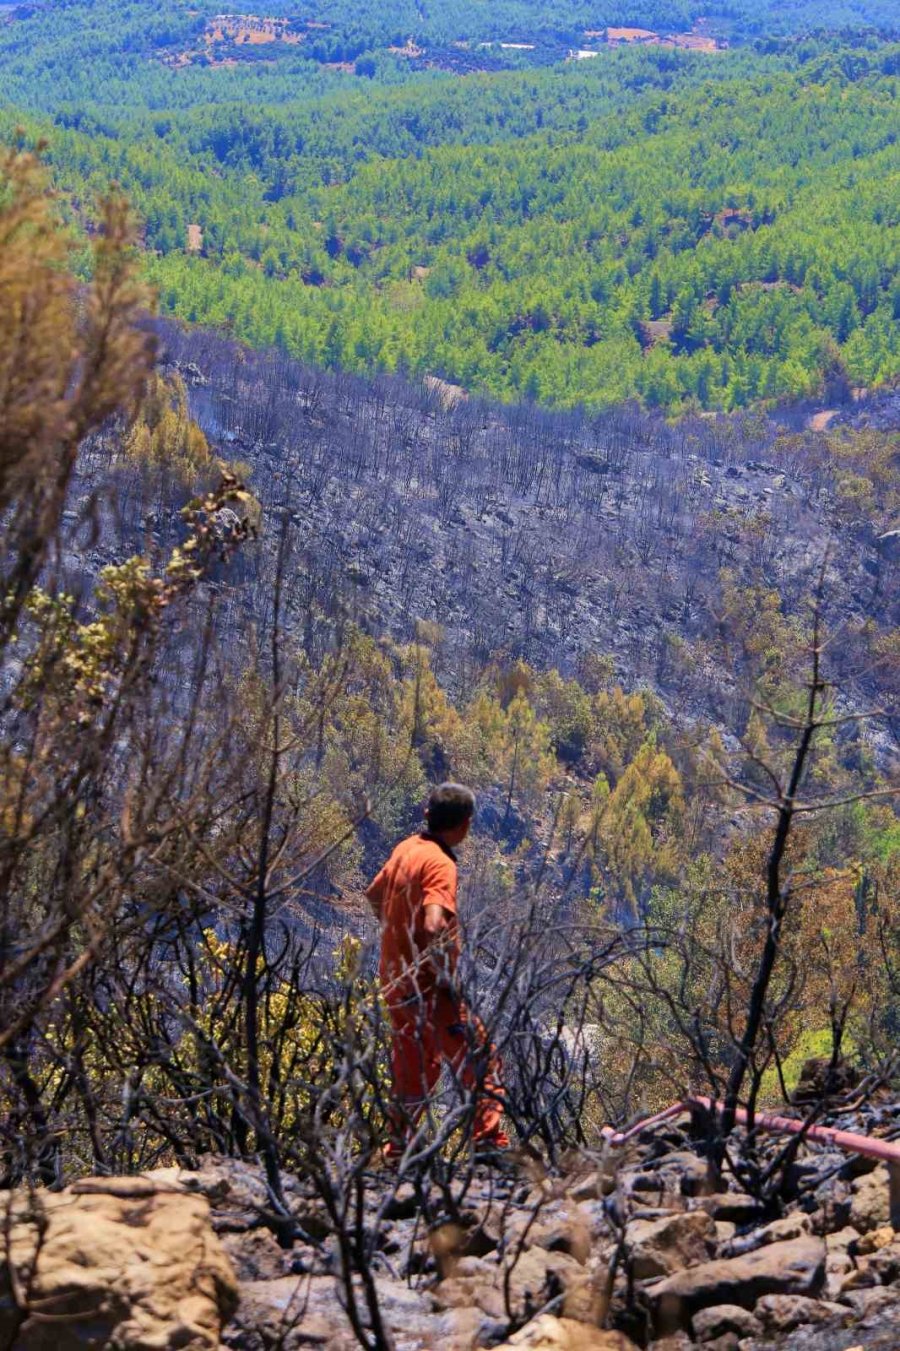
(420, 872)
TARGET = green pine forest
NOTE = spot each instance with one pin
(689, 229)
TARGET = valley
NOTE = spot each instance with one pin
(450, 675)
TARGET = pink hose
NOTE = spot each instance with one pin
(886, 1151)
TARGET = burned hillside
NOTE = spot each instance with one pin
(550, 537)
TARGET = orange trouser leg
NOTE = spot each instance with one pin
(427, 1031)
(464, 1043)
(415, 1063)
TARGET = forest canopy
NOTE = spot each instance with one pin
(710, 229)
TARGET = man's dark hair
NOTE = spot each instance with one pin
(450, 805)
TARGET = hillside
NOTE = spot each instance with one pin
(688, 238)
(605, 1058)
(525, 584)
(123, 50)
(712, 231)
(542, 537)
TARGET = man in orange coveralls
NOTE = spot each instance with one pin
(414, 897)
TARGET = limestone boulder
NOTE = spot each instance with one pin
(841, 1241)
(873, 1242)
(838, 1264)
(473, 1284)
(870, 1201)
(860, 1278)
(595, 1184)
(539, 1276)
(783, 1313)
(562, 1334)
(663, 1246)
(293, 1314)
(779, 1231)
(569, 1231)
(564, 1227)
(239, 1197)
(116, 1262)
(711, 1324)
(796, 1268)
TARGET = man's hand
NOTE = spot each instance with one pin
(435, 922)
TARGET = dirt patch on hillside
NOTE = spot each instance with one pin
(241, 30)
(694, 41)
(615, 35)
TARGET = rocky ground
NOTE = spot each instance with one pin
(633, 1247)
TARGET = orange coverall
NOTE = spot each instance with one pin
(430, 1024)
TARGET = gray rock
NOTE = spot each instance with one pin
(886, 1262)
(779, 1231)
(735, 1207)
(708, 1324)
(783, 1313)
(796, 1268)
(819, 1081)
(692, 1171)
(878, 1334)
(257, 1256)
(866, 1303)
(404, 1204)
(663, 1246)
(869, 1203)
(299, 1312)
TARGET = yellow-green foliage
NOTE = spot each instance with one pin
(621, 724)
(77, 664)
(303, 1039)
(164, 435)
(812, 1044)
(641, 824)
(671, 1014)
(289, 1033)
